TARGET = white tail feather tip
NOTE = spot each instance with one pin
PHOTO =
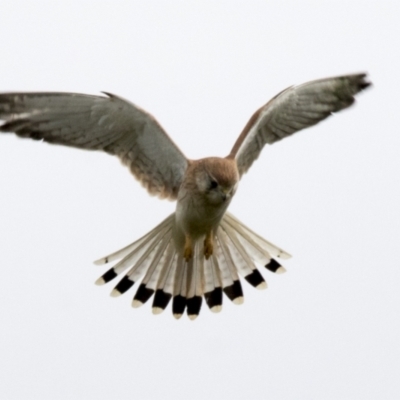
(177, 316)
(157, 310)
(283, 256)
(115, 293)
(101, 261)
(192, 317)
(136, 303)
(280, 270)
(262, 285)
(216, 309)
(100, 281)
(238, 300)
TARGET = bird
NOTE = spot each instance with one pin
(201, 250)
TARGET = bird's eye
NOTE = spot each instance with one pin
(213, 184)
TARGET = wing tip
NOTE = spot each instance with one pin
(360, 81)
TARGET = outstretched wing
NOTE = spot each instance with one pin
(108, 123)
(295, 108)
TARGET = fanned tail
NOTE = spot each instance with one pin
(163, 272)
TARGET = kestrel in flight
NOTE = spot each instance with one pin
(201, 249)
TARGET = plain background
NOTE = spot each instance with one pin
(327, 329)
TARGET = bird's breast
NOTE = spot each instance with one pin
(196, 216)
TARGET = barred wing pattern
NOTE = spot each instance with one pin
(110, 123)
(295, 108)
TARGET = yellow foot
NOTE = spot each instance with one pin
(188, 251)
(208, 247)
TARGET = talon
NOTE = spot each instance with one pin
(208, 247)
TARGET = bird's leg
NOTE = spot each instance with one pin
(208, 245)
(188, 250)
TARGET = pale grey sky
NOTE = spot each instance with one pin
(327, 329)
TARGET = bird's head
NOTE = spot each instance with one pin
(217, 179)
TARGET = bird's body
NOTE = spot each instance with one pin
(201, 249)
(205, 193)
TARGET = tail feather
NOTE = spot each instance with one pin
(235, 292)
(146, 260)
(275, 251)
(136, 250)
(274, 266)
(179, 287)
(247, 268)
(157, 257)
(224, 262)
(165, 273)
(170, 279)
(209, 276)
(242, 260)
(195, 283)
(153, 266)
(167, 265)
(141, 296)
(213, 285)
(229, 276)
(255, 251)
(160, 302)
(163, 294)
(138, 243)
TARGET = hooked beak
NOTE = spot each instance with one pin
(225, 193)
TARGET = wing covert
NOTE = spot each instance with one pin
(110, 123)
